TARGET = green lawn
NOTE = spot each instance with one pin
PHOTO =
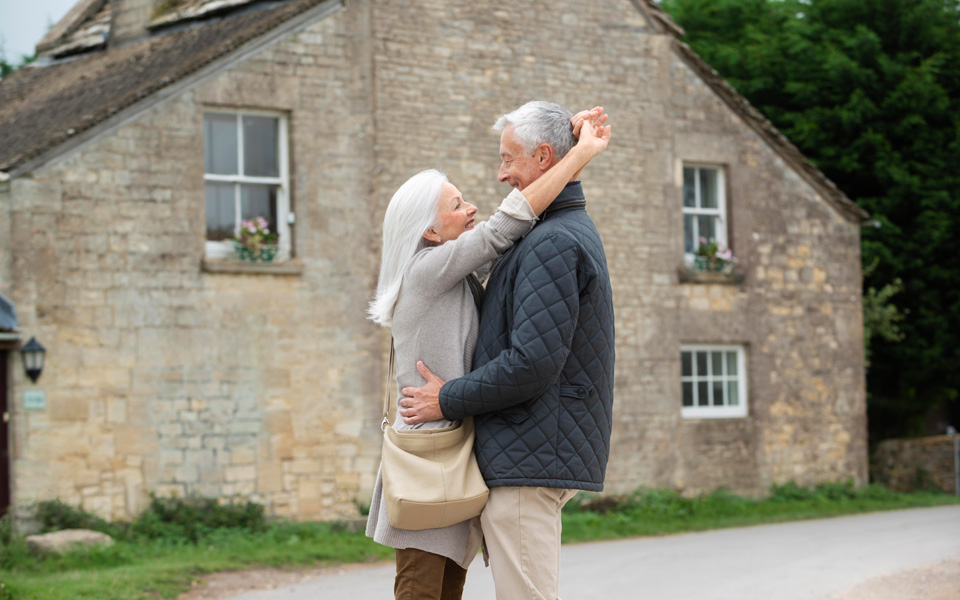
(163, 552)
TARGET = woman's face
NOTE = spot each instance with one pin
(456, 216)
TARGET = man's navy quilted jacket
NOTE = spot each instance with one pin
(541, 392)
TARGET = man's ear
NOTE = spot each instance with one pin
(545, 156)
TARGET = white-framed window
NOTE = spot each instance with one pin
(704, 207)
(246, 175)
(713, 381)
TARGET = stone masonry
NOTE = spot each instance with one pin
(916, 464)
(163, 377)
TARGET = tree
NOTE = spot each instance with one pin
(869, 90)
(6, 67)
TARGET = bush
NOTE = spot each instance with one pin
(55, 515)
(192, 518)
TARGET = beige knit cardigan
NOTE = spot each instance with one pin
(436, 321)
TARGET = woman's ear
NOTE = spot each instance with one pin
(431, 236)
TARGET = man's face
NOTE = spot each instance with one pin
(517, 168)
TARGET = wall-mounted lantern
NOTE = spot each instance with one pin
(33, 356)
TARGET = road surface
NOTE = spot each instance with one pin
(806, 560)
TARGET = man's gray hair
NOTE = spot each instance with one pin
(540, 122)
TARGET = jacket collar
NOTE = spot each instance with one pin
(571, 197)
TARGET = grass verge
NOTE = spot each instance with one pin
(166, 549)
(658, 512)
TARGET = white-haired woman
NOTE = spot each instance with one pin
(429, 291)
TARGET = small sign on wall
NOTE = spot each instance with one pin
(34, 399)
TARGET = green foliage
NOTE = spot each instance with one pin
(664, 511)
(9, 67)
(55, 515)
(191, 519)
(880, 315)
(870, 91)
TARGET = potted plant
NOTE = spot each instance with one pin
(255, 242)
(712, 257)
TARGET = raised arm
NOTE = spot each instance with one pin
(594, 137)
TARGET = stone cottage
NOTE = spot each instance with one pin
(148, 130)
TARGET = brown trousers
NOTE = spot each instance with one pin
(423, 575)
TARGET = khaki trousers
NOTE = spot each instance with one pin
(521, 528)
(423, 575)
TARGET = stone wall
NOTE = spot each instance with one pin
(920, 464)
(161, 376)
(798, 309)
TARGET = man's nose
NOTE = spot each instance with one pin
(502, 174)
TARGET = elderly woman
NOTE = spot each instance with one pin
(434, 254)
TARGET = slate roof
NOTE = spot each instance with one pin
(45, 106)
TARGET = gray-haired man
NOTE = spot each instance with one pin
(541, 392)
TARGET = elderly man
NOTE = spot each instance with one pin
(541, 392)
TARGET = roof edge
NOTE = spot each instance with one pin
(664, 20)
(123, 115)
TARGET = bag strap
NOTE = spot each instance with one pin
(476, 288)
(391, 381)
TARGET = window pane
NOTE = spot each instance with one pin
(708, 188)
(703, 393)
(259, 201)
(707, 225)
(220, 144)
(687, 393)
(689, 234)
(733, 393)
(686, 361)
(732, 364)
(702, 364)
(718, 393)
(716, 358)
(260, 147)
(689, 187)
(221, 211)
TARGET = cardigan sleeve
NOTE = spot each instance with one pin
(437, 269)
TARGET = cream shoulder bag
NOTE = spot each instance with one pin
(430, 476)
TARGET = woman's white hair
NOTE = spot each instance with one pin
(540, 122)
(412, 210)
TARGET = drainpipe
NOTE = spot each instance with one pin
(952, 432)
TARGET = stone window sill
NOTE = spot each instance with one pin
(235, 267)
(688, 275)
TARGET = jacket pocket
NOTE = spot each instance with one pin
(516, 414)
(573, 391)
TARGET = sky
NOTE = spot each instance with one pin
(24, 22)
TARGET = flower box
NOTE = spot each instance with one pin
(265, 253)
(707, 265)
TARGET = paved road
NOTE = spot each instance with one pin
(807, 560)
